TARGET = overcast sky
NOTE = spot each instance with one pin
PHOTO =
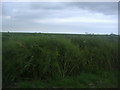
(61, 17)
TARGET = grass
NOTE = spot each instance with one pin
(62, 60)
(84, 80)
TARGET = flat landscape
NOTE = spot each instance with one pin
(41, 60)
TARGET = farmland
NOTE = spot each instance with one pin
(39, 60)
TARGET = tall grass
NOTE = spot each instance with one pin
(47, 57)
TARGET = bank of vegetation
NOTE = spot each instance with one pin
(51, 60)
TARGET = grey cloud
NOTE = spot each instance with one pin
(23, 14)
(47, 5)
(101, 7)
(31, 10)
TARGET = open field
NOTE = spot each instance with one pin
(37, 60)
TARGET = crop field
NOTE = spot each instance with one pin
(39, 60)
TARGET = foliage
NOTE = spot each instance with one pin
(49, 56)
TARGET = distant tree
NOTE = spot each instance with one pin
(86, 32)
(112, 34)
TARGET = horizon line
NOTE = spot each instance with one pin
(86, 33)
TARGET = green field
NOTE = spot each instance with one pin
(39, 60)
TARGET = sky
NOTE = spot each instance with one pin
(60, 17)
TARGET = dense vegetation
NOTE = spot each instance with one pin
(50, 58)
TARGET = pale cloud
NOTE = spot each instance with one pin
(82, 19)
(7, 17)
(15, 10)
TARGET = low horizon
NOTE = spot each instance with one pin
(60, 33)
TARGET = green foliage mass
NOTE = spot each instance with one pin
(84, 80)
(49, 56)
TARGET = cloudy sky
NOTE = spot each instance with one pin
(60, 17)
